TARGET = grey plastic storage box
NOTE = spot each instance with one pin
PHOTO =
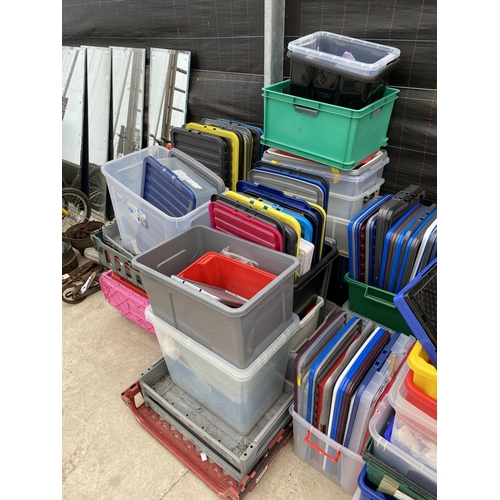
(238, 397)
(238, 335)
(142, 225)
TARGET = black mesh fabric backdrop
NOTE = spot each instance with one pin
(226, 41)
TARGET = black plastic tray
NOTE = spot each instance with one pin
(210, 150)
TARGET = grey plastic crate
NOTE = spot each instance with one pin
(107, 243)
(238, 335)
(235, 453)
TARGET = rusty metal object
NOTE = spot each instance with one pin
(82, 282)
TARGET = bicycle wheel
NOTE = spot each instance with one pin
(76, 207)
(97, 188)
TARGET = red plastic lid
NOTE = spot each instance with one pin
(360, 164)
(418, 398)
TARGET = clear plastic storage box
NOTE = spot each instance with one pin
(346, 183)
(307, 325)
(413, 431)
(339, 464)
(237, 334)
(327, 49)
(346, 207)
(336, 228)
(238, 397)
(393, 456)
(340, 70)
(140, 223)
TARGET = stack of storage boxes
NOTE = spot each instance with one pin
(403, 429)
(156, 193)
(222, 308)
(335, 111)
(228, 351)
(350, 191)
(230, 359)
(403, 436)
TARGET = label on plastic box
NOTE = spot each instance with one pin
(261, 475)
(184, 177)
(169, 348)
(138, 215)
(336, 175)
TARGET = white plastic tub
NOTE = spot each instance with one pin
(239, 397)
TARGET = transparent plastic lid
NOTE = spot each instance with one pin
(345, 53)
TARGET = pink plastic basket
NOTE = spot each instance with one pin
(126, 298)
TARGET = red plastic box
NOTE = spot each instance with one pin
(126, 298)
(419, 398)
(229, 274)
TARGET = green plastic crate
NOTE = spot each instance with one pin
(332, 135)
(375, 304)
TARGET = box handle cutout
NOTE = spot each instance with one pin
(318, 449)
(306, 111)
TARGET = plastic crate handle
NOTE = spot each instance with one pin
(319, 450)
(306, 111)
(378, 295)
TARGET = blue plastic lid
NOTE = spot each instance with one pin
(388, 431)
(164, 190)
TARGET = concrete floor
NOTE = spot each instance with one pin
(106, 454)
